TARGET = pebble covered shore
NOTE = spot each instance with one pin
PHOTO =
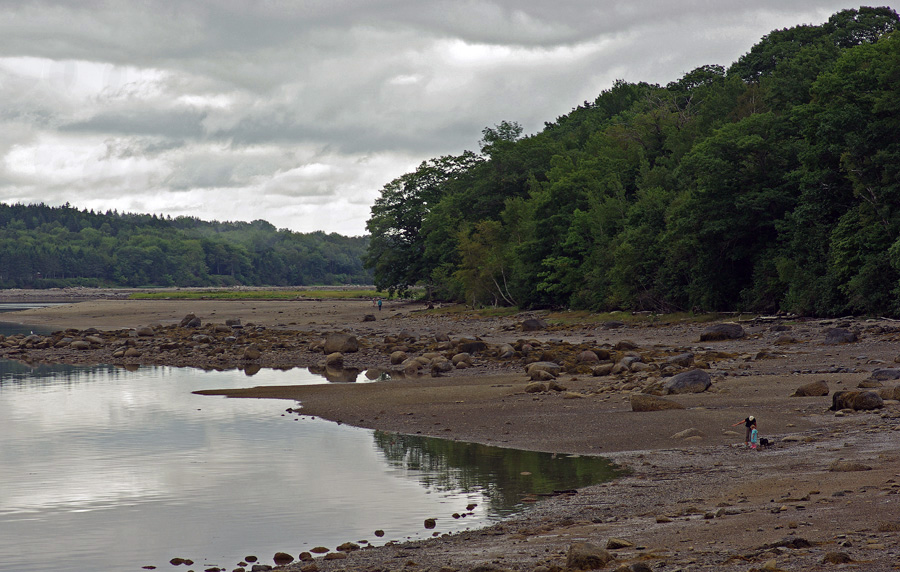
(825, 495)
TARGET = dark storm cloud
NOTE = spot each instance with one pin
(165, 104)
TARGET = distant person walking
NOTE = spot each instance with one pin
(379, 304)
(750, 424)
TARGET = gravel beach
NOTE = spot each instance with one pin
(824, 495)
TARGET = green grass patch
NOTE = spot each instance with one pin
(255, 294)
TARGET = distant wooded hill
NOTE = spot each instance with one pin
(43, 247)
(771, 185)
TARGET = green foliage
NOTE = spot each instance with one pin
(774, 185)
(44, 247)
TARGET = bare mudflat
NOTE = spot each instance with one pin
(824, 495)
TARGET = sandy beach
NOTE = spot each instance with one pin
(825, 495)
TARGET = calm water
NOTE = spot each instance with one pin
(10, 328)
(107, 469)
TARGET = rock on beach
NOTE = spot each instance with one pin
(693, 381)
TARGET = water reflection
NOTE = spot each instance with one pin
(14, 328)
(504, 476)
(106, 469)
(337, 374)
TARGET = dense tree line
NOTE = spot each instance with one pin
(43, 246)
(771, 185)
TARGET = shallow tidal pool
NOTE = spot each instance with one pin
(107, 469)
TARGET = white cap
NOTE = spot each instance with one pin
(752, 418)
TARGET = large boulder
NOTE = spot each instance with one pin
(602, 369)
(814, 389)
(587, 556)
(541, 375)
(890, 392)
(643, 402)
(588, 357)
(471, 346)
(856, 400)
(533, 325)
(886, 374)
(724, 331)
(836, 336)
(461, 358)
(550, 367)
(339, 342)
(187, 321)
(693, 381)
(682, 360)
(535, 387)
(505, 351)
(441, 365)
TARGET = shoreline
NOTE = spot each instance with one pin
(689, 502)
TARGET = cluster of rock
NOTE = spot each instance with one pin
(341, 355)
(870, 393)
(188, 343)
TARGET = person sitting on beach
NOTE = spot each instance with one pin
(749, 423)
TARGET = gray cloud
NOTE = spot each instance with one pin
(144, 122)
(299, 112)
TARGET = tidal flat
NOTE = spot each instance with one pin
(826, 489)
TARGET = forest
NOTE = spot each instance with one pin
(46, 247)
(770, 185)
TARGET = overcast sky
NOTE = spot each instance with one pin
(298, 112)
